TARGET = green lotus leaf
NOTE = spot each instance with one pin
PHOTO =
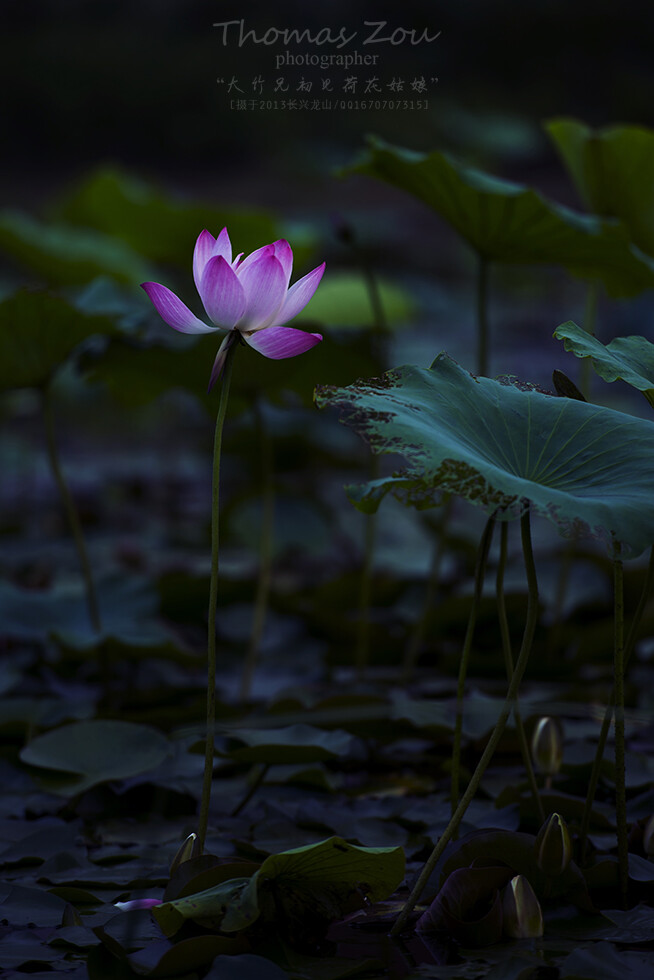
(157, 225)
(129, 610)
(612, 171)
(316, 882)
(65, 255)
(629, 359)
(86, 753)
(508, 222)
(503, 446)
(297, 743)
(38, 332)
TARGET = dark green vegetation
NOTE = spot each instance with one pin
(363, 661)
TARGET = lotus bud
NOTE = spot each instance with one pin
(137, 904)
(547, 746)
(523, 918)
(648, 837)
(553, 847)
(187, 849)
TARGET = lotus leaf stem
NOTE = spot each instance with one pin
(494, 740)
(590, 322)
(608, 714)
(508, 662)
(482, 315)
(480, 570)
(618, 668)
(70, 509)
(417, 635)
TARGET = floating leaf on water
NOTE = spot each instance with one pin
(295, 744)
(301, 889)
(90, 752)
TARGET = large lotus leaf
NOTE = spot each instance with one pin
(583, 466)
(64, 255)
(38, 332)
(612, 170)
(90, 752)
(154, 224)
(629, 359)
(508, 222)
(316, 882)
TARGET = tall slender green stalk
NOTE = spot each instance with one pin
(481, 304)
(494, 740)
(508, 663)
(590, 322)
(213, 601)
(265, 554)
(69, 508)
(554, 639)
(480, 571)
(618, 670)
(482, 315)
(608, 714)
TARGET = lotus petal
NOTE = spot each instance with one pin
(171, 309)
(222, 293)
(299, 294)
(281, 342)
(264, 284)
(284, 255)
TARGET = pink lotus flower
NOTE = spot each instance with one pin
(250, 298)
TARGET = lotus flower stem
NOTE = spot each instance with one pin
(213, 601)
(480, 571)
(417, 635)
(482, 315)
(508, 661)
(265, 554)
(494, 740)
(608, 714)
(70, 509)
(618, 667)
